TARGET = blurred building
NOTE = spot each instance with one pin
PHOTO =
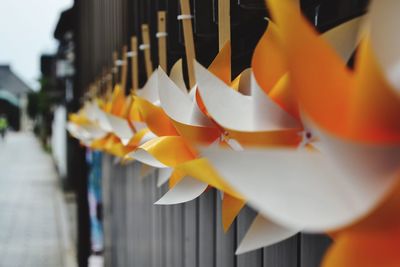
(13, 98)
(57, 77)
(67, 151)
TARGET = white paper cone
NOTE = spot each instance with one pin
(186, 190)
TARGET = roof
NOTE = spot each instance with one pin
(11, 82)
(9, 97)
(65, 23)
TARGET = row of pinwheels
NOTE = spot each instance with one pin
(308, 142)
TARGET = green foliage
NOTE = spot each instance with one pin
(39, 102)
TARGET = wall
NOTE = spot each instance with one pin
(59, 140)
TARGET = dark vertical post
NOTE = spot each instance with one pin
(83, 208)
(76, 153)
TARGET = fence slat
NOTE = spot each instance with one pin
(131, 211)
(169, 261)
(254, 258)
(107, 190)
(283, 254)
(225, 242)
(119, 178)
(206, 229)
(313, 248)
(156, 246)
(191, 228)
(177, 235)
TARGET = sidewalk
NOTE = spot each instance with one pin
(32, 219)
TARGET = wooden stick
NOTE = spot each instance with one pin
(134, 64)
(124, 69)
(224, 22)
(147, 52)
(162, 44)
(114, 68)
(189, 43)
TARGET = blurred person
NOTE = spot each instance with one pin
(3, 126)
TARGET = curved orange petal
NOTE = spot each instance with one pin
(99, 144)
(270, 139)
(283, 95)
(231, 206)
(319, 77)
(116, 148)
(133, 111)
(135, 141)
(372, 241)
(169, 150)
(371, 249)
(118, 101)
(375, 109)
(78, 118)
(221, 65)
(154, 116)
(269, 62)
(385, 216)
(202, 170)
(196, 134)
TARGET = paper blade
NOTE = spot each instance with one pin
(163, 176)
(178, 104)
(150, 89)
(176, 75)
(185, 190)
(240, 112)
(301, 189)
(385, 40)
(120, 128)
(263, 233)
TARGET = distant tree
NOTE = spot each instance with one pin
(33, 104)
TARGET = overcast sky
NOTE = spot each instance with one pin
(26, 31)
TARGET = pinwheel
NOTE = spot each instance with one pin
(257, 112)
(373, 240)
(160, 136)
(269, 118)
(111, 116)
(168, 148)
(250, 120)
(85, 132)
(357, 167)
(117, 119)
(83, 125)
(197, 129)
(104, 124)
(193, 127)
(188, 115)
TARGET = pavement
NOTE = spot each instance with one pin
(33, 222)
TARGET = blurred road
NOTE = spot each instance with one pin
(31, 228)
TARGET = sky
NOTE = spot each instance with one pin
(26, 31)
